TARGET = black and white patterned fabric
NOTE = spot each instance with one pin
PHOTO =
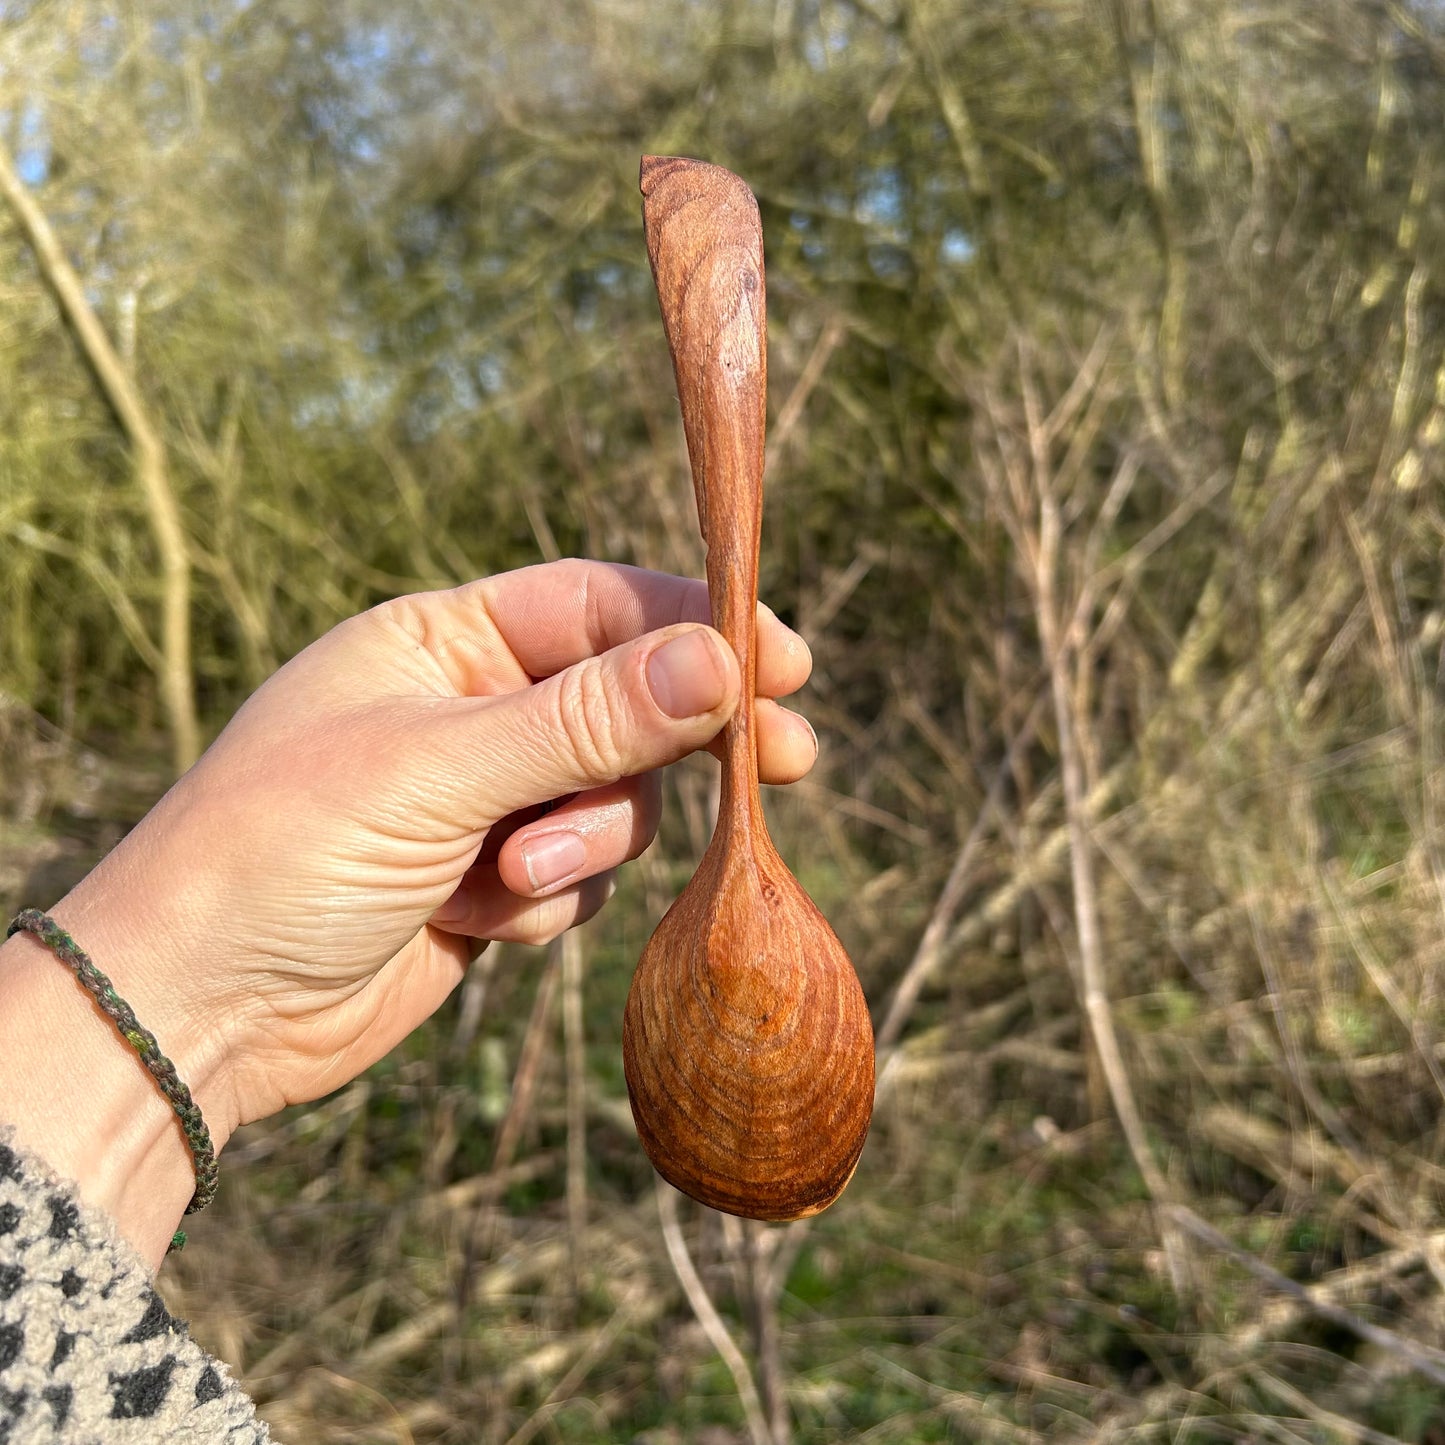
(89, 1355)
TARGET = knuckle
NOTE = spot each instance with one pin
(538, 932)
(590, 713)
(544, 921)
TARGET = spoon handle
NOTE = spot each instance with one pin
(705, 242)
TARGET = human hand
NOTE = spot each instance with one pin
(307, 895)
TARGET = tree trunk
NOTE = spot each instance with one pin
(117, 387)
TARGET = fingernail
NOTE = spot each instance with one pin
(686, 675)
(553, 857)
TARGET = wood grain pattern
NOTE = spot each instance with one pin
(746, 1040)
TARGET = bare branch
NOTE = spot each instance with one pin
(122, 396)
(708, 1317)
(1423, 1359)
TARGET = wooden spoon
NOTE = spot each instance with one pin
(746, 1040)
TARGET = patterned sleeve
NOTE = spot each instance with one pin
(88, 1352)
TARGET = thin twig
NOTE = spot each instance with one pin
(574, 963)
(708, 1317)
(562, 1391)
(934, 940)
(1424, 1359)
(524, 1083)
(833, 332)
(1057, 650)
(759, 1243)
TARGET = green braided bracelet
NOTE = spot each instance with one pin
(65, 948)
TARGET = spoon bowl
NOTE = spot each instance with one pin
(747, 1044)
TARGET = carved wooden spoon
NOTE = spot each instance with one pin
(746, 1040)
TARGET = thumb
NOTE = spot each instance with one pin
(640, 706)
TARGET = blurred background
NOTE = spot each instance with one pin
(1105, 460)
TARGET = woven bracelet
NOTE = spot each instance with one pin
(160, 1068)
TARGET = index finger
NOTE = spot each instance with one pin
(555, 614)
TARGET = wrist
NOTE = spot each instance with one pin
(76, 1088)
(151, 944)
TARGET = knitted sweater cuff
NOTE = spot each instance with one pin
(88, 1352)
